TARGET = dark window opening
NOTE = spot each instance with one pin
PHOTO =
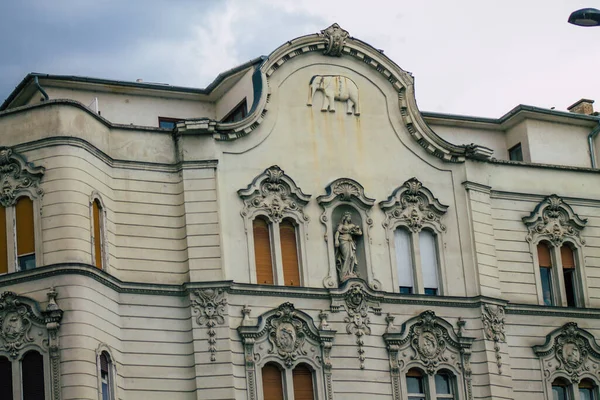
(570, 287)
(515, 153)
(167, 123)
(238, 113)
(546, 277)
(406, 290)
(431, 291)
(33, 376)
(6, 389)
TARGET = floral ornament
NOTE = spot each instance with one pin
(210, 306)
(413, 205)
(357, 319)
(275, 194)
(286, 334)
(17, 177)
(554, 220)
(493, 326)
(335, 39)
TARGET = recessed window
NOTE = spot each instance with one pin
(262, 251)
(429, 262)
(106, 376)
(25, 234)
(568, 264)
(301, 380)
(238, 113)
(3, 242)
(32, 367)
(289, 252)
(97, 221)
(515, 153)
(587, 390)
(554, 262)
(167, 123)
(545, 263)
(272, 382)
(404, 260)
(416, 385)
(439, 387)
(6, 389)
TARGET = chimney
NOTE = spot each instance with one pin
(583, 106)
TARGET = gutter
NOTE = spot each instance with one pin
(592, 135)
(41, 89)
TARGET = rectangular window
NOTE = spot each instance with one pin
(429, 262)
(25, 234)
(238, 113)
(515, 153)
(404, 260)
(546, 277)
(6, 389)
(167, 123)
(96, 215)
(568, 263)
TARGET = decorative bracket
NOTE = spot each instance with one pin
(554, 220)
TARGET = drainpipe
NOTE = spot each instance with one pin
(591, 138)
(37, 85)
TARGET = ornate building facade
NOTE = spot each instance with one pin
(297, 230)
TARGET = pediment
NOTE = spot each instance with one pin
(337, 42)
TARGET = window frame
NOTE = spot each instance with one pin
(572, 388)
(557, 274)
(276, 253)
(169, 119)
(95, 196)
(11, 233)
(288, 379)
(112, 372)
(241, 106)
(17, 371)
(418, 281)
(517, 146)
(429, 383)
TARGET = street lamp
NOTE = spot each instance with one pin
(585, 17)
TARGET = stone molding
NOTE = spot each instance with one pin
(18, 178)
(209, 306)
(414, 206)
(554, 220)
(570, 352)
(430, 343)
(288, 337)
(24, 327)
(346, 191)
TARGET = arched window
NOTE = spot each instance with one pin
(416, 385)
(262, 251)
(560, 389)
(272, 382)
(444, 385)
(569, 274)
(545, 264)
(429, 262)
(289, 252)
(25, 234)
(3, 242)
(303, 383)
(32, 376)
(106, 376)
(587, 390)
(404, 260)
(98, 228)
(6, 389)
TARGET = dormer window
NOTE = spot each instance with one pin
(238, 113)
(515, 153)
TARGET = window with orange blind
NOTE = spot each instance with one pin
(303, 383)
(3, 242)
(96, 214)
(289, 253)
(545, 264)
(272, 382)
(25, 235)
(262, 251)
(568, 263)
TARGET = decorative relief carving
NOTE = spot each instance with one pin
(210, 304)
(570, 350)
(554, 220)
(414, 206)
(275, 195)
(493, 326)
(289, 336)
(430, 343)
(334, 87)
(17, 177)
(335, 39)
(346, 260)
(356, 301)
(23, 327)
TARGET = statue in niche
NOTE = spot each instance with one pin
(345, 247)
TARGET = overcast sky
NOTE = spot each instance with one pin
(468, 56)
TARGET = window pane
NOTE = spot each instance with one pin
(272, 384)
(516, 153)
(404, 258)
(586, 394)
(569, 277)
(429, 262)
(25, 232)
(546, 277)
(97, 209)
(414, 385)
(262, 252)
(3, 242)
(443, 384)
(303, 383)
(289, 253)
(33, 376)
(6, 389)
(559, 393)
(406, 290)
